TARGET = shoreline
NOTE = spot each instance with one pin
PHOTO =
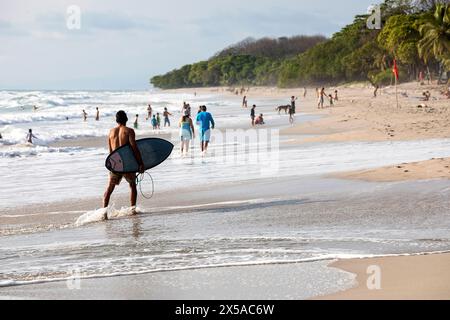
(430, 274)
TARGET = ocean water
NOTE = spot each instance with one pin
(302, 226)
(33, 173)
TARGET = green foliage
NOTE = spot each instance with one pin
(399, 36)
(435, 32)
(415, 32)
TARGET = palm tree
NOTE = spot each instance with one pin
(435, 32)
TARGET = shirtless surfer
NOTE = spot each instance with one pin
(120, 136)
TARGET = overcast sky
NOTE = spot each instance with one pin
(121, 44)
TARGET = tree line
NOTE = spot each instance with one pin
(414, 32)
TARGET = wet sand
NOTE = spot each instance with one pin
(264, 282)
(423, 170)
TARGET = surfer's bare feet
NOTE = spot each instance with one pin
(105, 215)
(134, 211)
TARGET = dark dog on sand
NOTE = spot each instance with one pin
(285, 108)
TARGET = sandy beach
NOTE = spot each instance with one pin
(402, 278)
(313, 210)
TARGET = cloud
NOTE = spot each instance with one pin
(112, 21)
(53, 25)
(264, 23)
(96, 21)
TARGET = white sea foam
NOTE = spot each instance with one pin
(105, 213)
(92, 216)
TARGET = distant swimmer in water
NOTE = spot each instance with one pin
(187, 133)
(97, 116)
(149, 112)
(35, 108)
(187, 110)
(1, 137)
(85, 115)
(31, 136)
(118, 137)
(206, 122)
(166, 116)
(136, 122)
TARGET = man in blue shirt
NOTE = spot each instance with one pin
(206, 122)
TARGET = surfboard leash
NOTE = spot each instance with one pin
(139, 179)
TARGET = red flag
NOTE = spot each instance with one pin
(395, 69)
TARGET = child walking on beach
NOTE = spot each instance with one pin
(331, 100)
(158, 121)
(154, 123)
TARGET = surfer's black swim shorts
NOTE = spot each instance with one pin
(116, 178)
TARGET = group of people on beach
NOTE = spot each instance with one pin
(321, 96)
(156, 118)
(256, 120)
(426, 95)
(204, 121)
